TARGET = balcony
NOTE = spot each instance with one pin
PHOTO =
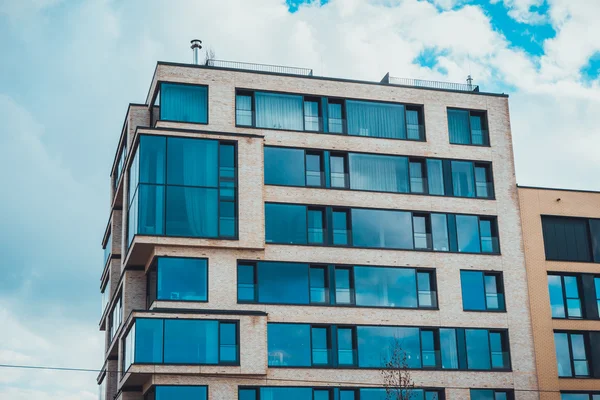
(244, 66)
(460, 87)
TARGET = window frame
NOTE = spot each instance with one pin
(154, 266)
(471, 111)
(499, 285)
(152, 390)
(580, 292)
(588, 353)
(158, 93)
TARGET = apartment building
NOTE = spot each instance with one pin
(275, 235)
(561, 230)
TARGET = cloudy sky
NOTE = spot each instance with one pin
(68, 68)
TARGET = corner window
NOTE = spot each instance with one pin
(468, 127)
(116, 318)
(184, 103)
(571, 354)
(482, 291)
(178, 279)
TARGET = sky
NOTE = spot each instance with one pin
(68, 69)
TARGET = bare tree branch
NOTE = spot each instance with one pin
(210, 55)
(397, 379)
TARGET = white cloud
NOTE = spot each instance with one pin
(521, 10)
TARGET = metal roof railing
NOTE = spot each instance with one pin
(462, 87)
(278, 69)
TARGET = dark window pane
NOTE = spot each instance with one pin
(385, 287)
(247, 394)
(556, 296)
(482, 394)
(184, 103)
(152, 160)
(379, 173)
(338, 171)
(285, 393)
(320, 346)
(279, 111)
(192, 162)
(314, 170)
(289, 345)
(417, 178)
(377, 344)
(243, 110)
(182, 279)
(439, 232)
(421, 231)
(428, 348)
(463, 180)
(316, 232)
(563, 354)
(318, 285)
(346, 352)
(150, 213)
(180, 392)
(336, 121)
(228, 346)
(435, 177)
(227, 219)
(340, 228)
(448, 348)
(285, 223)
(284, 166)
(382, 229)
(192, 212)
(246, 283)
(566, 239)
(285, 283)
(467, 227)
(191, 342)
(376, 119)
(478, 349)
(473, 292)
(595, 239)
(343, 287)
(458, 127)
(148, 340)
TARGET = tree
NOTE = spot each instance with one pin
(210, 55)
(397, 379)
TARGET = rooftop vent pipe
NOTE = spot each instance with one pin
(196, 46)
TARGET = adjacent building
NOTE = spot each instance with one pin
(561, 231)
(275, 235)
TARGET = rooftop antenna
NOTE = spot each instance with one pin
(196, 46)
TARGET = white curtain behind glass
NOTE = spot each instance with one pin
(279, 111)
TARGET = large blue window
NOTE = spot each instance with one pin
(178, 279)
(296, 283)
(181, 341)
(379, 173)
(384, 120)
(565, 298)
(328, 393)
(279, 111)
(580, 396)
(302, 345)
(177, 393)
(390, 229)
(572, 354)
(491, 394)
(482, 291)
(284, 166)
(468, 127)
(183, 187)
(183, 103)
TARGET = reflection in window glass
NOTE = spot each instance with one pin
(284, 283)
(340, 228)
(563, 354)
(463, 180)
(556, 296)
(285, 223)
(376, 345)
(435, 177)
(385, 120)
(184, 103)
(385, 287)
(180, 392)
(379, 173)
(246, 283)
(289, 345)
(448, 348)
(284, 166)
(191, 342)
(346, 347)
(439, 232)
(382, 229)
(343, 286)
(478, 349)
(314, 169)
(320, 346)
(467, 227)
(318, 285)
(316, 231)
(338, 171)
(182, 279)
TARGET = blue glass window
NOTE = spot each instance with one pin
(181, 392)
(344, 288)
(385, 287)
(286, 393)
(283, 283)
(335, 121)
(184, 103)
(244, 115)
(148, 341)
(482, 291)
(316, 226)
(597, 287)
(467, 127)
(571, 354)
(467, 227)
(279, 111)
(439, 232)
(338, 171)
(284, 166)
(382, 229)
(449, 350)
(191, 342)
(247, 394)
(417, 176)
(314, 169)
(478, 349)
(491, 394)
(346, 342)
(289, 345)
(463, 179)
(182, 279)
(192, 162)
(564, 290)
(192, 212)
(435, 177)
(246, 282)
(374, 119)
(379, 173)
(321, 347)
(285, 223)
(319, 288)
(228, 342)
(377, 344)
(341, 231)
(312, 120)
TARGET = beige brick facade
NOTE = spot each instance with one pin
(222, 255)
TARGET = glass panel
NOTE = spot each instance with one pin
(192, 212)
(572, 294)
(478, 349)
(340, 228)
(579, 355)
(481, 182)
(382, 229)
(347, 395)
(413, 127)
(284, 166)
(458, 127)
(597, 287)
(285, 223)
(448, 348)
(320, 346)
(285, 393)
(463, 180)
(577, 396)
(192, 162)
(184, 103)
(279, 111)
(420, 232)
(426, 295)
(467, 227)
(482, 394)
(346, 350)
(493, 299)
(417, 181)
(228, 348)
(129, 348)
(226, 161)
(180, 392)
(284, 283)
(246, 288)
(318, 285)
(487, 238)
(556, 296)
(595, 241)
(497, 350)
(247, 394)
(563, 354)
(381, 394)
(473, 293)
(336, 122)
(182, 279)
(435, 177)
(243, 110)
(314, 170)
(501, 396)
(227, 219)
(149, 215)
(377, 344)
(338, 171)
(376, 119)
(315, 227)
(148, 341)
(478, 132)
(311, 116)
(343, 289)
(428, 348)
(378, 173)
(289, 345)
(191, 342)
(385, 287)
(439, 232)
(321, 394)
(152, 159)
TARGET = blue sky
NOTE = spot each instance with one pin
(70, 67)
